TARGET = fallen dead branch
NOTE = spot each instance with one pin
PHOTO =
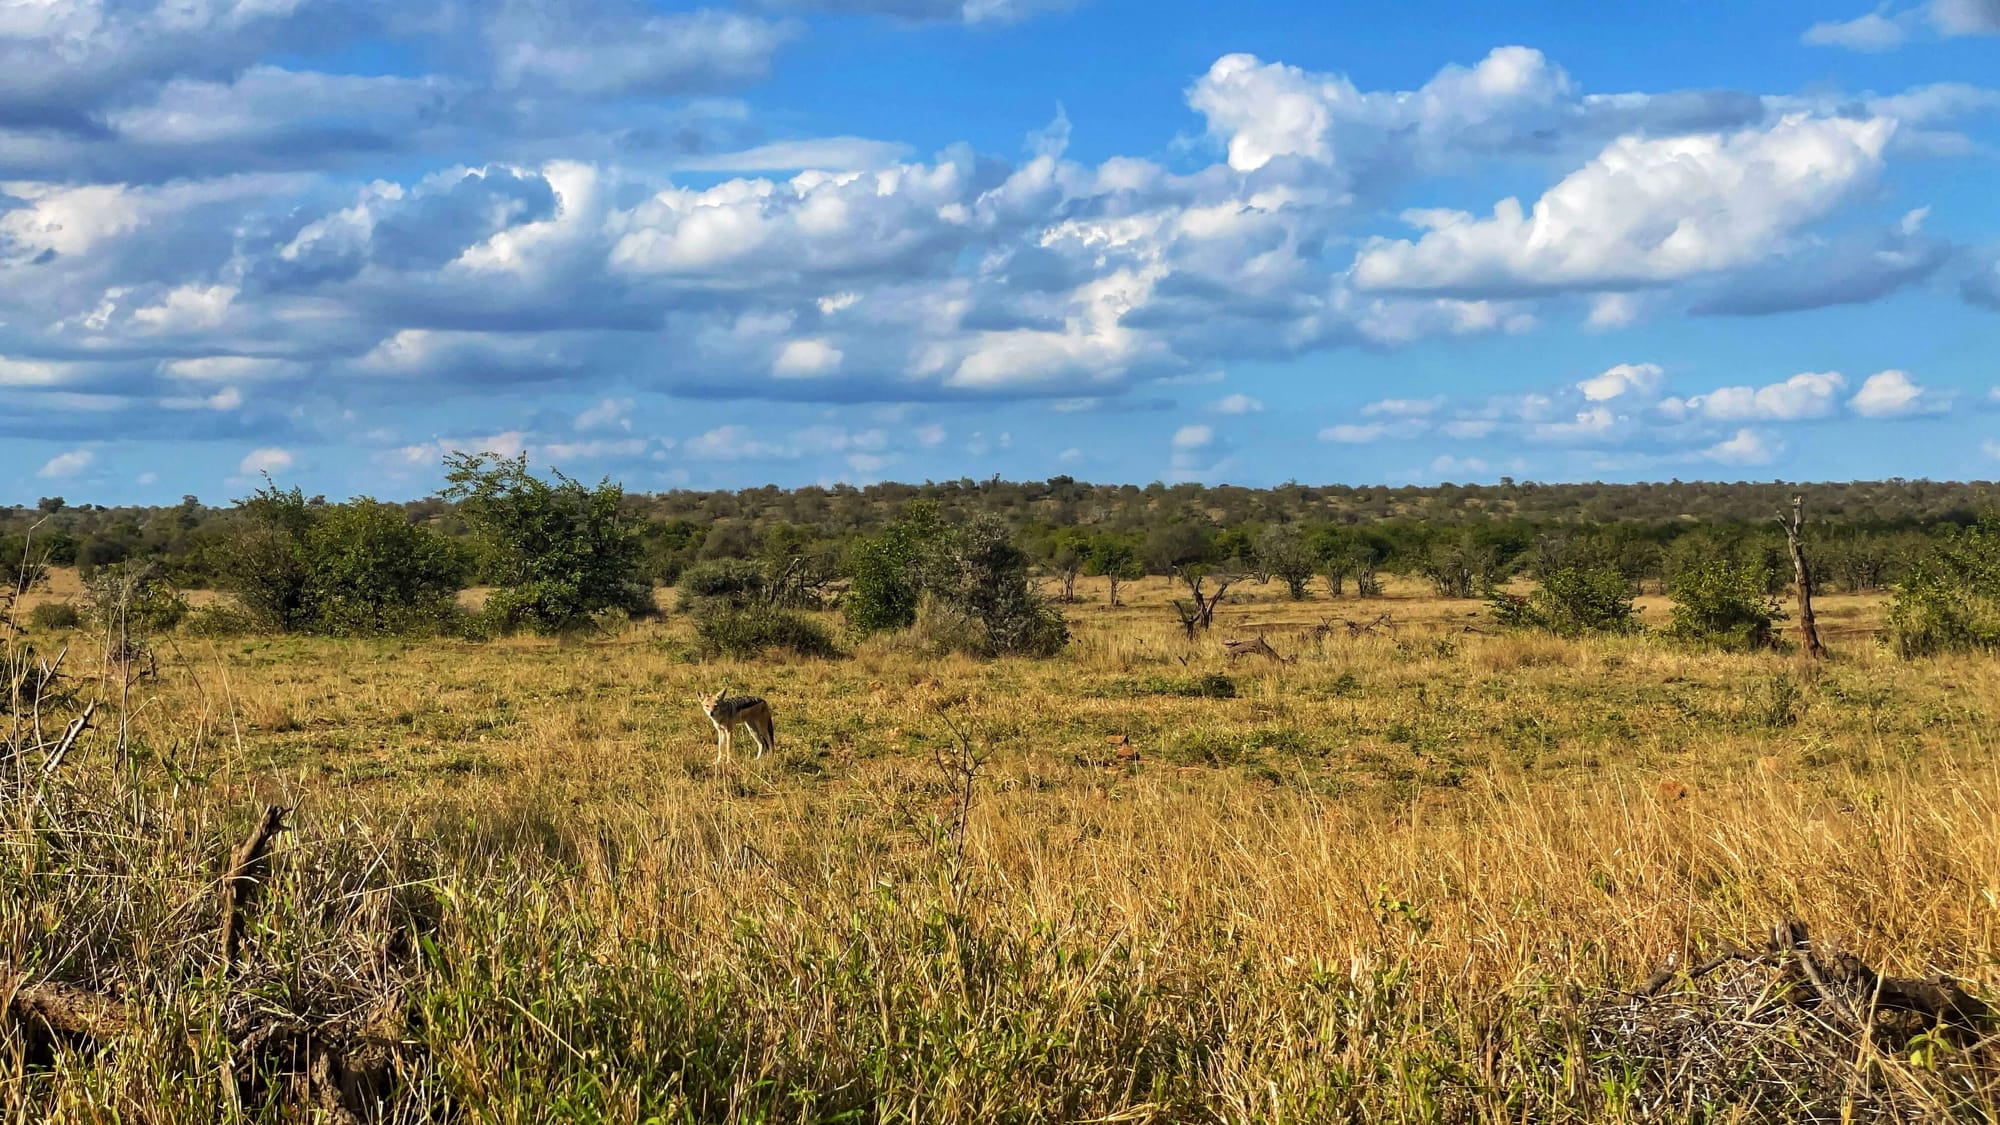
(1383, 623)
(344, 1061)
(1786, 1025)
(77, 726)
(1235, 650)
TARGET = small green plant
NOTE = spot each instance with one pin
(1724, 605)
(1950, 601)
(50, 616)
(1570, 602)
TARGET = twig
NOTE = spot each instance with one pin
(1791, 937)
(1665, 976)
(77, 726)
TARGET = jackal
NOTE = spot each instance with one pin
(748, 710)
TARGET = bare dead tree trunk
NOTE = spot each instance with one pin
(1802, 576)
(1201, 614)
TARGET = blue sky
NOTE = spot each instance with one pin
(802, 241)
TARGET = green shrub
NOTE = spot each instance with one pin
(1950, 600)
(1571, 602)
(736, 582)
(974, 583)
(556, 553)
(745, 632)
(353, 569)
(1724, 605)
(373, 571)
(55, 615)
(892, 571)
(995, 588)
(134, 598)
(221, 619)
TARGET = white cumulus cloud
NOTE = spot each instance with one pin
(270, 459)
(1745, 447)
(1637, 379)
(67, 464)
(1645, 211)
(1810, 394)
(1892, 394)
(1236, 404)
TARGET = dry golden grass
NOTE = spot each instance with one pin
(1369, 885)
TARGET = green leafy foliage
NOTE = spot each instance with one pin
(976, 576)
(892, 570)
(992, 586)
(1570, 602)
(1113, 556)
(1950, 601)
(133, 597)
(355, 569)
(748, 631)
(55, 615)
(734, 582)
(1284, 553)
(557, 553)
(1725, 605)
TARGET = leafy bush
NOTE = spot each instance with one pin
(348, 570)
(556, 553)
(1950, 600)
(372, 571)
(892, 571)
(994, 588)
(221, 619)
(749, 631)
(133, 597)
(1460, 566)
(55, 615)
(735, 582)
(1571, 602)
(1113, 556)
(1725, 605)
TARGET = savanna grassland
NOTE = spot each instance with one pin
(1399, 879)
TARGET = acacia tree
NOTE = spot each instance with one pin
(1283, 553)
(1113, 556)
(557, 552)
(1063, 552)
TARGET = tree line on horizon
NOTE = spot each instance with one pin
(976, 557)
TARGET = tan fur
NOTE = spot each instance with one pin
(726, 713)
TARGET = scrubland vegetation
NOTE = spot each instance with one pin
(1020, 854)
